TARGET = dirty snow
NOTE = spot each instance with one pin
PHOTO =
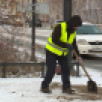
(28, 89)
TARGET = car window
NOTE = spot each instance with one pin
(88, 30)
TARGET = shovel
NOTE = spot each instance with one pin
(91, 85)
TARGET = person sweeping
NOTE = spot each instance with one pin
(60, 43)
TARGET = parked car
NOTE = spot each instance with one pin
(89, 39)
(38, 23)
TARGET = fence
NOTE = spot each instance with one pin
(5, 65)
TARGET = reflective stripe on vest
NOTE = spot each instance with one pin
(61, 49)
(58, 49)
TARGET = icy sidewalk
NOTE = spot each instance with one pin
(28, 90)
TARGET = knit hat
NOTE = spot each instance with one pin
(75, 21)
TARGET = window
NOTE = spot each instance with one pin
(88, 29)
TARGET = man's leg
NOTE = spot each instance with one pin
(65, 70)
(51, 63)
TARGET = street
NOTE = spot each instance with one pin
(93, 62)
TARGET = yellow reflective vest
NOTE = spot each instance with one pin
(58, 49)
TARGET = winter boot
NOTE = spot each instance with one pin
(69, 91)
(46, 90)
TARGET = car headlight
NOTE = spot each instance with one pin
(82, 42)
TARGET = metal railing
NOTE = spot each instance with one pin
(4, 65)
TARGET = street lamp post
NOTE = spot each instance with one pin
(33, 32)
(67, 9)
(67, 16)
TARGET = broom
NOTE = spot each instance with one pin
(91, 85)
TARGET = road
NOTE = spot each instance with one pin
(93, 62)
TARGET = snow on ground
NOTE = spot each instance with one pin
(28, 89)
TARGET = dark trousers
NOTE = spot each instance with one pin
(51, 65)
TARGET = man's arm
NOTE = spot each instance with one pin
(56, 34)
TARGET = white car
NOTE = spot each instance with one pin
(89, 39)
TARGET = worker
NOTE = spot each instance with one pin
(61, 41)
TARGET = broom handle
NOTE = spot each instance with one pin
(83, 67)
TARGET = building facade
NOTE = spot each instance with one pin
(89, 10)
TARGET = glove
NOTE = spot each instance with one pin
(69, 47)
